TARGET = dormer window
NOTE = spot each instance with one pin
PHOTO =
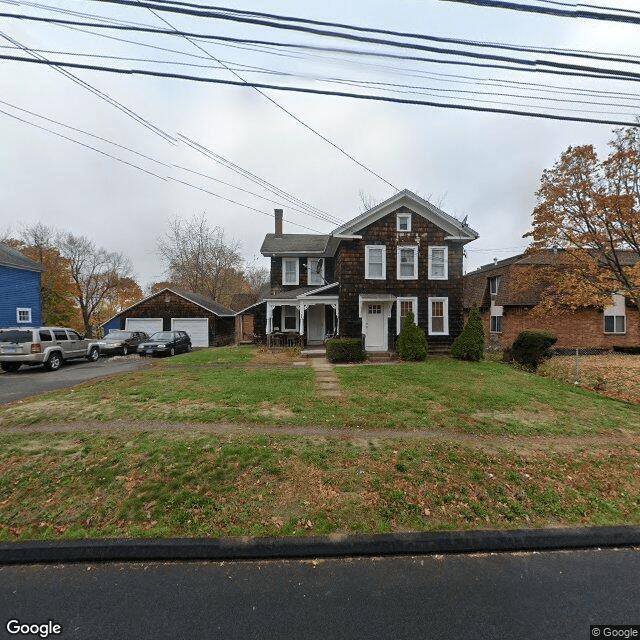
(290, 273)
(494, 283)
(403, 222)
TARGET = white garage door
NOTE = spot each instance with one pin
(197, 328)
(148, 325)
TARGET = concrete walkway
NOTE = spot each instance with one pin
(326, 378)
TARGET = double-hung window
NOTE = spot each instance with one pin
(439, 316)
(404, 305)
(375, 262)
(407, 263)
(290, 273)
(403, 222)
(438, 263)
(496, 324)
(614, 315)
(315, 271)
(289, 318)
(494, 283)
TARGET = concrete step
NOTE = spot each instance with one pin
(314, 352)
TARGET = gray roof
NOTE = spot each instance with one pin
(205, 303)
(10, 257)
(295, 244)
(289, 294)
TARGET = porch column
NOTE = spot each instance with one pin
(269, 328)
(334, 306)
(303, 307)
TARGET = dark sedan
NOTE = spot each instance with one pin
(123, 342)
(165, 343)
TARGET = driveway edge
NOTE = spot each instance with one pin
(334, 546)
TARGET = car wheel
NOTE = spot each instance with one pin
(172, 352)
(188, 347)
(94, 354)
(53, 362)
(125, 350)
(9, 367)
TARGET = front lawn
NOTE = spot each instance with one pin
(190, 483)
(242, 384)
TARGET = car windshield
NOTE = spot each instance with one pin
(162, 335)
(15, 335)
(116, 334)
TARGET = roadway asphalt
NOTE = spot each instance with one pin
(31, 381)
(547, 595)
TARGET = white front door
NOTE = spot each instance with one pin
(374, 327)
(315, 323)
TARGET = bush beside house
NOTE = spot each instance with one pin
(530, 348)
(345, 350)
(412, 341)
(469, 345)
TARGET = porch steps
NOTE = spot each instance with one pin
(381, 356)
(314, 352)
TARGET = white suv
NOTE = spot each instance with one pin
(50, 346)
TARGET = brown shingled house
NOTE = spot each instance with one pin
(402, 255)
(505, 308)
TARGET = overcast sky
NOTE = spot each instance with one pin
(486, 166)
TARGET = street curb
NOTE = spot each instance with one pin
(334, 546)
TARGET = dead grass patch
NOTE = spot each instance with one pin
(281, 356)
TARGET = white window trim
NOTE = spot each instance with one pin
(284, 271)
(414, 308)
(415, 262)
(617, 309)
(403, 215)
(23, 309)
(295, 313)
(320, 275)
(446, 316)
(446, 264)
(367, 249)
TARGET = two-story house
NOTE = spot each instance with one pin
(19, 289)
(402, 255)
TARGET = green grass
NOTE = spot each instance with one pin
(163, 484)
(440, 394)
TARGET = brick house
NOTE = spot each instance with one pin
(208, 323)
(361, 279)
(20, 301)
(505, 307)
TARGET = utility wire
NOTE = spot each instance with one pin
(342, 94)
(531, 65)
(278, 105)
(628, 18)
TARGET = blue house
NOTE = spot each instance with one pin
(20, 276)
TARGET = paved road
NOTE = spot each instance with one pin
(29, 381)
(549, 595)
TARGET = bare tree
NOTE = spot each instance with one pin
(95, 272)
(200, 259)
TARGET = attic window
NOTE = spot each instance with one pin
(403, 222)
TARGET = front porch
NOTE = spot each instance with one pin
(304, 320)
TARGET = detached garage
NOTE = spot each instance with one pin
(208, 323)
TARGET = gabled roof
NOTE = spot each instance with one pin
(456, 229)
(10, 257)
(206, 303)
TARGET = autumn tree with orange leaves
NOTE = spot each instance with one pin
(589, 210)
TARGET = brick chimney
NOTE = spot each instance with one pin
(278, 216)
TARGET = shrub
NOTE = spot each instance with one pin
(345, 350)
(412, 343)
(530, 348)
(469, 345)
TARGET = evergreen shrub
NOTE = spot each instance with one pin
(469, 345)
(530, 348)
(412, 342)
(345, 350)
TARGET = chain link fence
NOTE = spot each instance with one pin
(611, 372)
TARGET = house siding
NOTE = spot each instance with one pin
(168, 305)
(350, 272)
(19, 288)
(276, 273)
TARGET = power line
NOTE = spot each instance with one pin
(342, 94)
(627, 17)
(279, 106)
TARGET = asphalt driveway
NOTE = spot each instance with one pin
(32, 381)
